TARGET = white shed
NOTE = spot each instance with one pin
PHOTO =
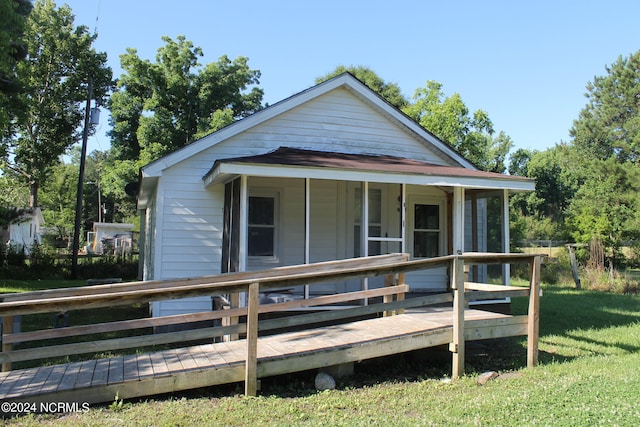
(24, 231)
(293, 184)
(117, 236)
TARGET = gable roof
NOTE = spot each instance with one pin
(300, 163)
(346, 81)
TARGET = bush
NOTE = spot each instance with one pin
(108, 266)
(43, 261)
(16, 255)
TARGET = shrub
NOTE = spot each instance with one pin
(108, 266)
(16, 255)
(43, 261)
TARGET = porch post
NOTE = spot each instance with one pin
(506, 268)
(244, 223)
(457, 345)
(364, 231)
(403, 217)
(474, 233)
(533, 321)
(307, 226)
(244, 231)
(251, 363)
(458, 220)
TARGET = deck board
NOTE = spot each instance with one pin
(218, 363)
(86, 374)
(70, 377)
(145, 367)
(130, 368)
(100, 372)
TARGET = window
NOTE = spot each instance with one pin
(262, 226)
(426, 233)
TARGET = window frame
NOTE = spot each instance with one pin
(275, 257)
(441, 230)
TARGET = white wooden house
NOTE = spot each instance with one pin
(24, 231)
(293, 183)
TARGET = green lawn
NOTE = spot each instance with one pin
(588, 375)
(9, 286)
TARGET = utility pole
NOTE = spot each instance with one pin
(80, 191)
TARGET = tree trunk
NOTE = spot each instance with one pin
(33, 194)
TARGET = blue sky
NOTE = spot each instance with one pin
(525, 63)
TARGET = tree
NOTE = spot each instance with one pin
(13, 192)
(12, 50)
(59, 64)
(58, 198)
(389, 91)
(609, 125)
(604, 157)
(542, 213)
(162, 106)
(472, 135)
(607, 206)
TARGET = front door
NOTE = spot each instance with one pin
(426, 231)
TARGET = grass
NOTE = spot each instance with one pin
(588, 375)
(79, 317)
(10, 286)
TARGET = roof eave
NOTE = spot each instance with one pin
(224, 172)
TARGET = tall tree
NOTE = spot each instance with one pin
(12, 50)
(472, 135)
(606, 206)
(59, 196)
(609, 125)
(389, 91)
(605, 155)
(60, 63)
(544, 210)
(162, 106)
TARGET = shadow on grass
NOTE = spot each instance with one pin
(567, 312)
(565, 309)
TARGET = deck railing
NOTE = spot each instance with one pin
(40, 344)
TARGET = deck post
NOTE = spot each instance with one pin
(234, 302)
(457, 344)
(533, 323)
(7, 329)
(389, 280)
(251, 367)
(400, 297)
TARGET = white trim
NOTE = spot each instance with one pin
(275, 259)
(505, 236)
(458, 220)
(307, 228)
(364, 231)
(244, 224)
(159, 228)
(225, 171)
(421, 199)
(403, 217)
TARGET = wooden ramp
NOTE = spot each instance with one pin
(206, 365)
(394, 324)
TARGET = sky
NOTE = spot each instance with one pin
(526, 63)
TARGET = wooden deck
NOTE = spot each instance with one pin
(206, 365)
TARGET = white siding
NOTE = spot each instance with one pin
(189, 221)
(335, 122)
